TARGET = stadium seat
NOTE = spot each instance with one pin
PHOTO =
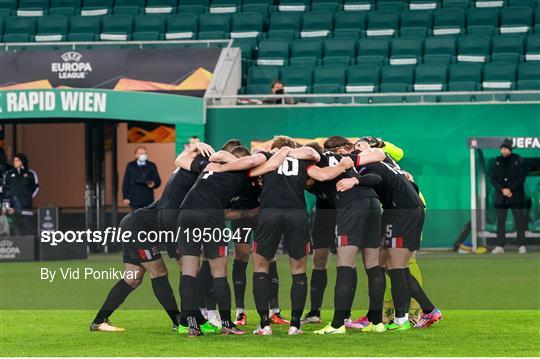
(397, 78)
(488, 3)
(212, 35)
(19, 29)
(285, 21)
(51, 28)
(326, 5)
(440, 50)
(406, 51)
(63, 7)
(84, 28)
(191, 9)
(329, 79)
(293, 5)
(463, 77)
(160, 6)
(149, 27)
(537, 21)
(363, 78)
(32, 7)
(532, 53)
(448, 21)
(214, 22)
(373, 51)
(499, 76)
(5, 13)
(392, 5)
(529, 76)
(516, 19)
(358, 5)
(507, 48)
(259, 2)
(288, 35)
(273, 52)
(263, 9)
(382, 23)
(247, 25)
(96, 7)
(260, 78)
(64, 11)
(317, 24)
(247, 47)
(8, 5)
(339, 51)
(415, 23)
(127, 10)
(473, 48)
(424, 4)
(350, 21)
(306, 52)
(297, 79)
(116, 27)
(224, 6)
(482, 21)
(453, 4)
(431, 77)
(181, 27)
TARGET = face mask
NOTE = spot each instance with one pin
(280, 92)
(143, 157)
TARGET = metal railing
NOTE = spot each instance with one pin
(140, 44)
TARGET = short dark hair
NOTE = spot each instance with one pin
(275, 82)
(316, 146)
(230, 145)
(335, 142)
(240, 151)
(281, 141)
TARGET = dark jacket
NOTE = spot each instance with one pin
(7, 197)
(134, 186)
(22, 183)
(509, 173)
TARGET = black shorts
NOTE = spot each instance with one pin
(212, 245)
(137, 252)
(402, 228)
(323, 229)
(241, 226)
(168, 221)
(359, 224)
(291, 225)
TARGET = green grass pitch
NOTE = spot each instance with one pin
(491, 307)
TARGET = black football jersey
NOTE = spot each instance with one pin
(284, 188)
(395, 191)
(248, 199)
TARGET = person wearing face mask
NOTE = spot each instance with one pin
(278, 88)
(141, 178)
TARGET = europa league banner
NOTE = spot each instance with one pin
(184, 70)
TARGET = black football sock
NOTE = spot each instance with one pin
(261, 294)
(355, 283)
(165, 296)
(318, 282)
(189, 299)
(416, 292)
(376, 288)
(205, 287)
(343, 294)
(223, 298)
(274, 285)
(118, 293)
(298, 298)
(239, 282)
(399, 291)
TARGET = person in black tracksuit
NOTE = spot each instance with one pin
(23, 183)
(508, 178)
(141, 178)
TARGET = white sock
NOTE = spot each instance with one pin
(204, 313)
(402, 320)
(274, 311)
(213, 314)
(239, 311)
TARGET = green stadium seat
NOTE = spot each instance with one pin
(382, 23)
(516, 19)
(317, 24)
(452, 4)
(391, 5)
(8, 4)
(212, 35)
(181, 27)
(257, 89)
(424, 4)
(537, 23)
(297, 79)
(5, 13)
(75, 4)
(84, 28)
(64, 11)
(415, 23)
(262, 76)
(482, 21)
(357, 5)
(224, 6)
(247, 46)
(507, 48)
(463, 77)
(273, 52)
(329, 78)
(489, 3)
(473, 48)
(247, 25)
(499, 76)
(191, 9)
(529, 76)
(1, 26)
(363, 78)
(406, 51)
(431, 77)
(51, 28)
(116, 28)
(347, 34)
(347, 21)
(160, 6)
(263, 9)
(373, 51)
(440, 50)
(306, 51)
(127, 10)
(293, 5)
(532, 53)
(149, 27)
(448, 21)
(331, 7)
(259, 2)
(214, 23)
(339, 51)
(32, 7)
(204, 3)
(285, 21)
(397, 78)
(19, 29)
(96, 7)
(281, 34)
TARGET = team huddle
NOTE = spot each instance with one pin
(364, 203)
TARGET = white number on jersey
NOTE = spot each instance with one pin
(207, 174)
(289, 167)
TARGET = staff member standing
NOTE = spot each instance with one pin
(508, 178)
(23, 183)
(141, 178)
